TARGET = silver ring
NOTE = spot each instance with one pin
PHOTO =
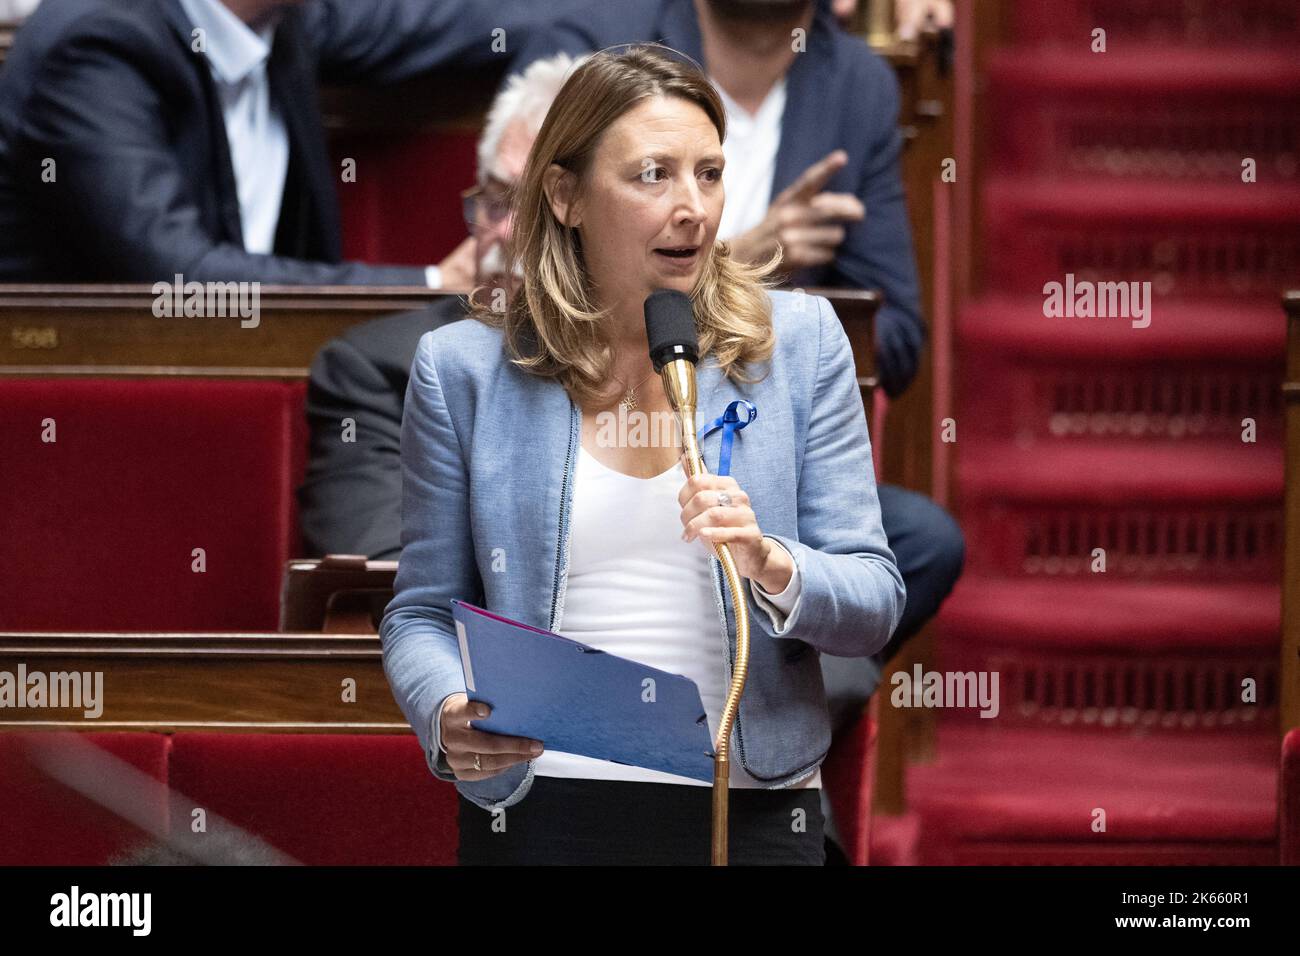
(724, 499)
(477, 765)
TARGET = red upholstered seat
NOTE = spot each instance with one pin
(323, 799)
(44, 822)
(101, 524)
(404, 205)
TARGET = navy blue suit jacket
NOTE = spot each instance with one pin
(143, 187)
(839, 95)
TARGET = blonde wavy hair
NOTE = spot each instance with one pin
(551, 326)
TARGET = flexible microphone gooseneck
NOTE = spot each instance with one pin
(674, 350)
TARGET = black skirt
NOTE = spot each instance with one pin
(574, 821)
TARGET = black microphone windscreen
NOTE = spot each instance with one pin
(670, 328)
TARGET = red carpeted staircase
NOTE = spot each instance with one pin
(1121, 691)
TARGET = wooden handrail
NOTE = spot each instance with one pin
(1290, 671)
(112, 330)
(280, 683)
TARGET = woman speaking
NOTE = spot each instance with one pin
(520, 497)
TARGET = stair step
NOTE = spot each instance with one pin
(1157, 27)
(1022, 70)
(1107, 202)
(1193, 511)
(1183, 117)
(1180, 331)
(1092, 471)
(997, 784)
(1196, 372)
(1223, 241)
(1101, 614)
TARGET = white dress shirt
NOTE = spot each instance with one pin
(750, 149)
(259, 143)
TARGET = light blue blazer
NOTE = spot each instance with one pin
(488, 459)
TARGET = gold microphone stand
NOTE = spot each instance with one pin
(679, 385)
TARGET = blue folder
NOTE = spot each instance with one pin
(581, 700)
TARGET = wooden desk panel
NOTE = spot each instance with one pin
(278, 683)
(112, 330)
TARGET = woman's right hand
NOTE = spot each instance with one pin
(495, 752)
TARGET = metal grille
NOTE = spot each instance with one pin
(1238, 542)
(1183, 259)
(1190, 402)
(1121, 692)
(1190, 141)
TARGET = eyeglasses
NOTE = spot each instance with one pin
(482, 208)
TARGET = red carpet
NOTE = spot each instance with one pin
(1150, 442)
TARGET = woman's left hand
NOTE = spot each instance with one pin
(756, 557)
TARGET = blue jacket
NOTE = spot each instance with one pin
(488, 458)
(839, 95)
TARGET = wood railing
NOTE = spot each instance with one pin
(1290, 671)
(924, 68)
(274, 683)
(113, 330)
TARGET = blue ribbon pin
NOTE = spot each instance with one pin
(730, 422)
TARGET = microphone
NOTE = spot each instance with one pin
(674, 350)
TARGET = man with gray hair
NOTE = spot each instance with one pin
(513, 121)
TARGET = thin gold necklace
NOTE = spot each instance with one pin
(628, 401)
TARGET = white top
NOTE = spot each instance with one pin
(16, 9)
(637, 590)
(750, 149)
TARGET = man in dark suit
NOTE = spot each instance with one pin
(144, 138)
(351, 500)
